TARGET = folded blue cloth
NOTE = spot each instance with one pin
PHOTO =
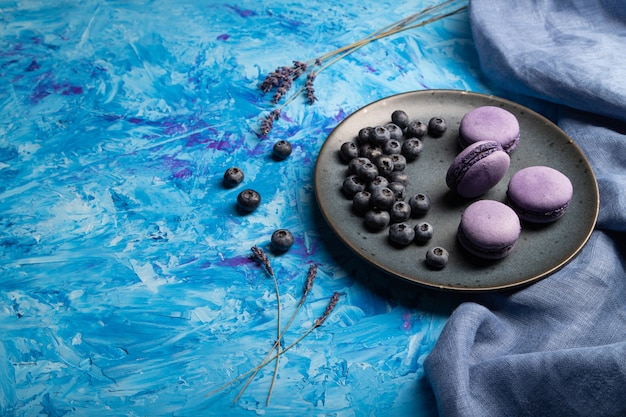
(558, 347)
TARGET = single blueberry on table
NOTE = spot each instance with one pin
(355, 163)
(400, 212)
(348, 151)
(423, 232)
(395, 132)
(420, 203)
(364, 135)
(281, 240)
(437, 257)
(400, 118)
(392, 147)
(361, 202)
(416, 129)
(380, 136)
(382, 198)
(233, 177)
(367, 172)
(384, 163)
(437, 126)
(248, 200)
(352, 184)
(412, 148)
(401, 233)
(281, 149)
(399, 162)
(378, 182)
(377, 219)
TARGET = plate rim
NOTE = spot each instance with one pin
(468, 289)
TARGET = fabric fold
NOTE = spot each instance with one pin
(557, 347)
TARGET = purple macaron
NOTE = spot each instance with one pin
(540, 194)
(477, 168)
(489, 229)
(490, 123)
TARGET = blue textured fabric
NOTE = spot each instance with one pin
(558, 347)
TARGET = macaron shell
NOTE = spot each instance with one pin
(489, 229)
(540, 194)
(477, 168)
(490, 123)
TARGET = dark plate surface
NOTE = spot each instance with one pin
(540, 250)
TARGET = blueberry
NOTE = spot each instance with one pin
(399, 162)
(384, 163)
(352, 185)
(365, 135)
(411, 148)
(399, 190)
(281, 150)
(361, 202)
(420, 204)
(400, 118)
(355, 163)
(378, 182)
(248, 200)
(370, 151)
(382, 198)
(233, 177)
(367, 172)
(377, 219)
(437, 257)
(423, 232)
(281, 240)
(380, 136)
(392, 147)
(348, 151)
(399, 176)
(395, 132)
(437, 127)
(401, 233)
(400, 212)
(416, 129)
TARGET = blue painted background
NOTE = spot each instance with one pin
(126, 286)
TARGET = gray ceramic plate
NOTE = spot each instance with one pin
(540, 250)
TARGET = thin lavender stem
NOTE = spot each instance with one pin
(331, 305)
(262, 257)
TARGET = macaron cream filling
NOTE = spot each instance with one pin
(456, 175)
(538, 216)
(495, 252)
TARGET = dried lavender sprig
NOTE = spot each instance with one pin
(262, 257)
(307, 288)
(299, 68)
(267, 124)
(329, 308)
(309, 88)
(282, 78)
(316, 324)
(308, 284)
(259, 255)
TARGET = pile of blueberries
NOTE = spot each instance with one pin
(376, 180)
